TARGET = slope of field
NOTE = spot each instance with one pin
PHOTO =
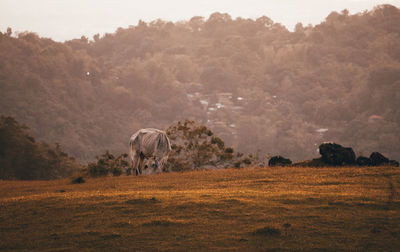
(247, 210)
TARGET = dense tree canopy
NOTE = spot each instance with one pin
(260, 87)
(21, 157)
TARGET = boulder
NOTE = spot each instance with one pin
(363, 161)
(279, 161)
(378, 159)
(335, 154)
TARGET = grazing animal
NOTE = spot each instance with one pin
(149, 150)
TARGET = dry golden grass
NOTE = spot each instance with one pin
(290, 208)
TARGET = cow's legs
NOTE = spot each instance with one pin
(136, 167)
(162, 164)
(135, 162)
(141, 159)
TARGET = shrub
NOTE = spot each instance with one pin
(97, 169)
(194, 146)
(177, 164)
(108, 163)
(116, 171)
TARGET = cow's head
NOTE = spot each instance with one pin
(150, 166)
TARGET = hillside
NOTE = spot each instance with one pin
(260, 87)
(301, 209)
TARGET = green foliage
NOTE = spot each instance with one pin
(97, 169)
(90, 95)
(21, 157)
(177, 164)
(108, 164)
(242, 160)
(195, 146)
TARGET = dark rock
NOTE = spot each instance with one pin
(394, 163)
(378, 159)
(279, 161)
(363, 161)
(335, 154)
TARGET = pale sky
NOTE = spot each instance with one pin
(68, 19)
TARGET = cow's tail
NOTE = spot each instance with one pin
(131, 151)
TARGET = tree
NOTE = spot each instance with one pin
(9, 31)
(195, 146)
(21, 157)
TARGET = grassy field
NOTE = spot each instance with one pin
(261, 209)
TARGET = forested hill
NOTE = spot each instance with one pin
(260, 87)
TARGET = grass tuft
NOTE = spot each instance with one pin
(78, 179)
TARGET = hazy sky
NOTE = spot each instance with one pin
(67, 19)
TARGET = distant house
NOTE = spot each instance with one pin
(321, 130)
(374, 118)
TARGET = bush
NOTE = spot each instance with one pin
(97, 169)
(178, 165)
(108, 163)
(116, 171)
(194, 146)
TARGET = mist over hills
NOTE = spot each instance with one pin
(260, 87)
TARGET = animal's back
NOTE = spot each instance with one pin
(147, 140)
(136, 137)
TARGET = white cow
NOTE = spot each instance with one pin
(152, 146)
